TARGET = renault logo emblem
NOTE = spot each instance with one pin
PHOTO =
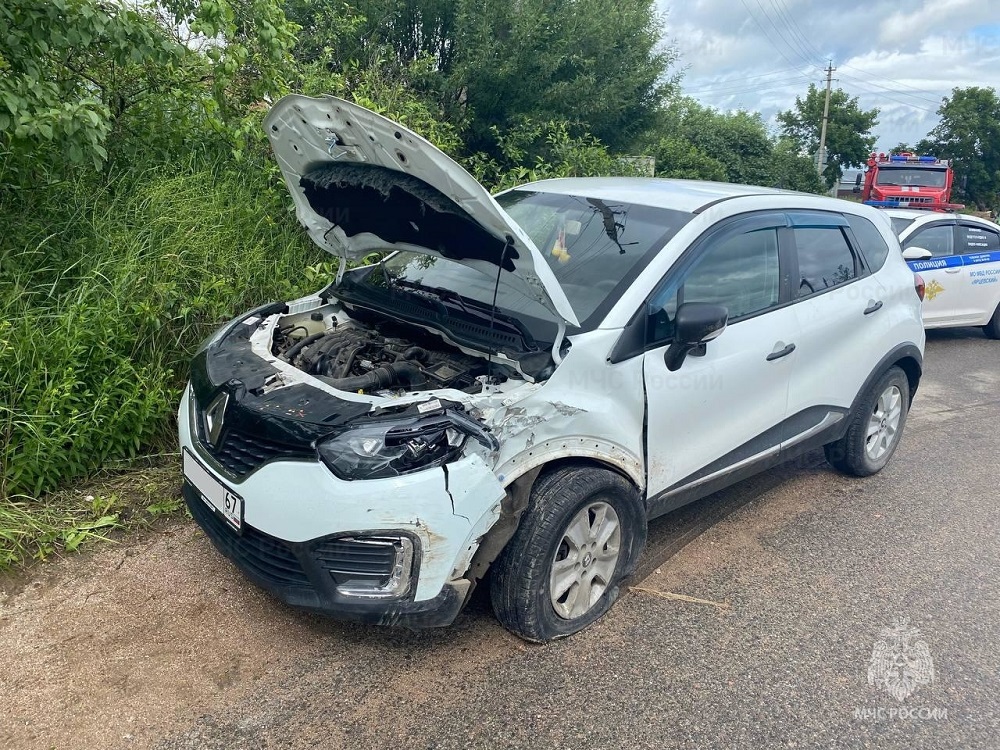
(214, 415)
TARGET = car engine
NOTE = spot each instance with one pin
(351, 357)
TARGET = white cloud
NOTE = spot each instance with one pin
(761, 54)
(938, 16)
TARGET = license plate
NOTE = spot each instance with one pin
(215, 494)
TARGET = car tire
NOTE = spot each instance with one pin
(992, 329)
(576, 516)
(876, 427)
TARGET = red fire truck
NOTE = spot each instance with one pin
(906, 180)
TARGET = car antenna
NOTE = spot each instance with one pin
(493, 308)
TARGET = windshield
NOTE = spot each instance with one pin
(933, 178)
(594, 247)
(900, 223)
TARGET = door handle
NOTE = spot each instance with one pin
(953, 270)
(873, 306)
(779, 354)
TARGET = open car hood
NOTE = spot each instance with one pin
(363, 183)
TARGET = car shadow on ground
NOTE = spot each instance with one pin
(668, 535)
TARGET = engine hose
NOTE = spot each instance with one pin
(294, 349)
(381, 377)
(417, 353)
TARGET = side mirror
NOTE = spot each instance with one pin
(695, 324)
(917, 253)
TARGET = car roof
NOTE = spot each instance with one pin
(690, 196)
(923, 217)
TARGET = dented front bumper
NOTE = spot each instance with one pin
(318, 542)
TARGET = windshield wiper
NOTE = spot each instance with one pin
(445, 295)
(471, 308)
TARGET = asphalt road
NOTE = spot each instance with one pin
(791, 576)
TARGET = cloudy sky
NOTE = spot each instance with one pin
(902, 57)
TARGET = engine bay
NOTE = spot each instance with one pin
(352, 357)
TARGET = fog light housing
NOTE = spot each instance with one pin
(368, 567)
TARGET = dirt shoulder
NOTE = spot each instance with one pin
(114, 647)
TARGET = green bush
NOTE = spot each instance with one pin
(106, 290)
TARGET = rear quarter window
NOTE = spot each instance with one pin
(976, 239)
(872, 245)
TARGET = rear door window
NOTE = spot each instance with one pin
(939, 239)
(825, 259)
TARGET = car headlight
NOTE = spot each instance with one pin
(377, 450)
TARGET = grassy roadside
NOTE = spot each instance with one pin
(106, 288)
(120, 499)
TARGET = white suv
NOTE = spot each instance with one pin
(524, 381)
(959, 257)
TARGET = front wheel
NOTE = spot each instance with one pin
(876, 427)
(579, 538)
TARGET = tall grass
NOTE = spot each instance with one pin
(106, 288)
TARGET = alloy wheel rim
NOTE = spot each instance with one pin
(883, 424)
(585, 560)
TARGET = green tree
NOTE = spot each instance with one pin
(598, 65)
(737, 141)
(791, 170)
(678, 158)
(76, 73)
(969, 133)
(849, 139)
(699, 142)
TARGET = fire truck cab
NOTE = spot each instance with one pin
(907, 180)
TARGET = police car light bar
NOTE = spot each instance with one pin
(902, 203)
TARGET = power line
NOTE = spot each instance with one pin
(887, 94)
(886, 88)
(793, 36)
(771, 73)
(809, 49)
(738, 87)
(782, 9)
(798, 44)
(768, 37)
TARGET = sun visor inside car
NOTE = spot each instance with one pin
(399, 208)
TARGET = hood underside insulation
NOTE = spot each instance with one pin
(399, 208)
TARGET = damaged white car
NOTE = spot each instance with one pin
(523, 381)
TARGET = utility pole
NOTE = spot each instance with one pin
(821, 154)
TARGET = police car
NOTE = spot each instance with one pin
(958, 257)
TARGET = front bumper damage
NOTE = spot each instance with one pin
(304, 531)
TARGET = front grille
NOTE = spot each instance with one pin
(264, 556)
(353, 560)
(240, 452)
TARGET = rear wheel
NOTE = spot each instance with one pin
(992, 329)
(876, 427)
(579, 538)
